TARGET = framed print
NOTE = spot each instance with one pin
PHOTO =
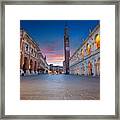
(59, 59)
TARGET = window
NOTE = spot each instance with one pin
(31, 50)
(88, 49)
(82, 53)
(35, 54)
(26, 47)
(97, 41)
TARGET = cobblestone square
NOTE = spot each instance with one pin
(59, 87)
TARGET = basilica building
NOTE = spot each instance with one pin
(86, 59)
(32, 60)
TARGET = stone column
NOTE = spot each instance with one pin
(98, 67)
(93, 68)
(27, 67)
(36, 66)
(21, 60)
(32, 68)
(21, 63)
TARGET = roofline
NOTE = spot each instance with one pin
(30, 37)
(90, 34)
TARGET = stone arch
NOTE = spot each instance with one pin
(35, 66)
(95, 66)
(96, 36)
(31, 66)
(88, 48)
(89, 68)
(21, 61)
(97, 40)
(98, 66)
(26, 64)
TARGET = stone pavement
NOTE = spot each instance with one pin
(59, 87)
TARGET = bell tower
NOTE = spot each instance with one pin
(66, 49)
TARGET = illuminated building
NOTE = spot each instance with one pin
(86, 59)
(55, 69)
(32, 60)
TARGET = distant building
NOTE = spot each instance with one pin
(86, 59)
(55, 69)
(58, 69)
(32, 60)
(51, 68)
(66, 51)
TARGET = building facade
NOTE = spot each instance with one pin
(32, 60)
(55, 69)
(66, 51)
(86, 59)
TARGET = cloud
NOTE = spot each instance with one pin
(53, 52)
(55, 58)
(51, 47)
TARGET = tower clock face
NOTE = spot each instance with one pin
(67, 48)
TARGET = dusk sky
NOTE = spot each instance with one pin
(49, 34)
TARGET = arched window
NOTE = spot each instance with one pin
(88, 49)
(89, 68)
(82, 53)
(97, 41)
(26, 47)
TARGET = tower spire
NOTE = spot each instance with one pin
(66, 30)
